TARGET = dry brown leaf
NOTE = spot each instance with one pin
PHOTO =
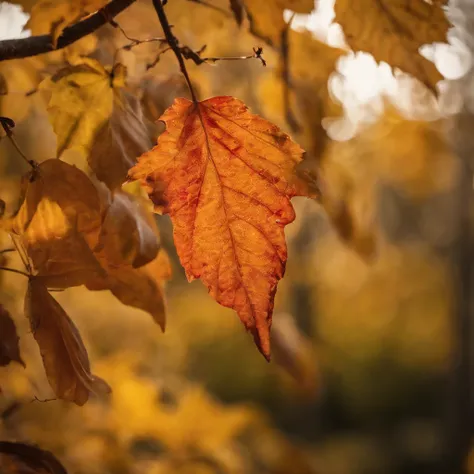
(21, 458)
(141, 287)
(226, 177)
(266, 18)
(9, 348)
(129, 235)
(64, 356)
(394, 30)
(58, 222)
(119, 142)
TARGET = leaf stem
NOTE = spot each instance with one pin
(14, 270)
(174, 45)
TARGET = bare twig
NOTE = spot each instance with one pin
(285, 59)
(8, 124)
(196, 56)
(46, 400)
(14, 270)
(7, 250)
(157, 58)
(174, 45)
(136, 42)
(34, 45)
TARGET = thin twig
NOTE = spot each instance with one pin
(174, 45)
(22, 253)
(133, 41)
(136, 42)
(157, 58)
(257, 54)
(46, 400)
(34, 45)
(14, 270)
(285, 74)
(8, 124)
(7, 250)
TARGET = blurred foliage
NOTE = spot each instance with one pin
(364, 336)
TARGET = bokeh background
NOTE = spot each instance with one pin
(365, 318)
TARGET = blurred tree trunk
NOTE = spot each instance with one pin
(460, 416)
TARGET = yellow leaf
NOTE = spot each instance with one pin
(64, 356)
(394, 30)
(52, 16)
(266, 18)
(226, 177)
(81, 102)
(18, 78)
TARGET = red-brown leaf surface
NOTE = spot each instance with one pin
(226, 177)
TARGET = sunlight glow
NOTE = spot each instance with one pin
(364, 86)
(12, 21)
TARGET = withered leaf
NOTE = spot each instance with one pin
(64, 356)
(140, 288)
(226, 177)
(129, 234)
(9, 348)
(25, 458)
(119, 141)
(394, 31)
(58, 222)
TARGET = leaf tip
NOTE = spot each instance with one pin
(261, 337)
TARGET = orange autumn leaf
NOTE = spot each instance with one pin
(226, 177)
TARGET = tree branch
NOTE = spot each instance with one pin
(34, 45)
(174, 45)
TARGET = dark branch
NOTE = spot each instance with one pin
(34, 45)
(173, 43)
